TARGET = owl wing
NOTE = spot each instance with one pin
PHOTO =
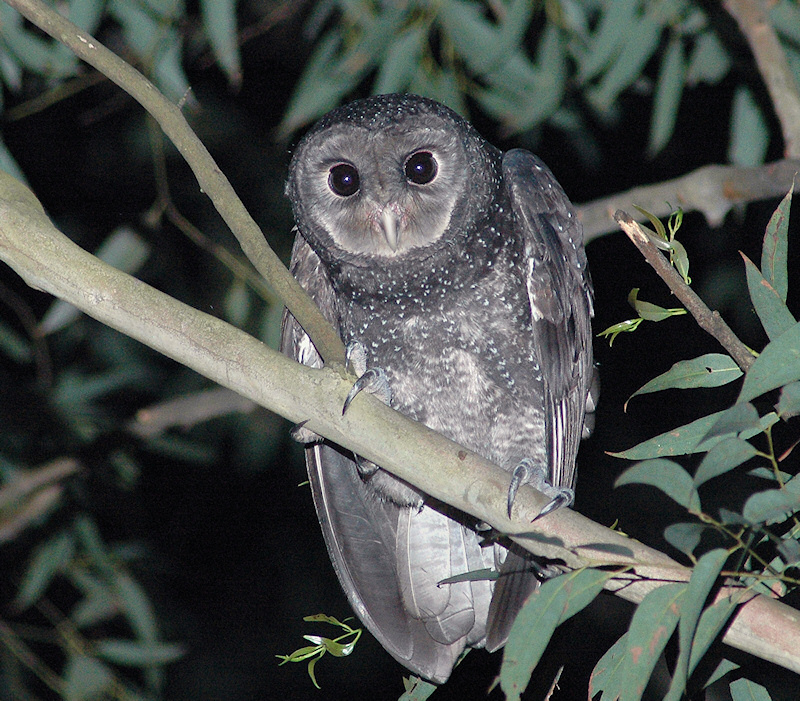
(560, 295)
(365, 534)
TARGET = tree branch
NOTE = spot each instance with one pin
(211, 179)
(751, 16)
(710, 321)
(49, 261)
(712, 190)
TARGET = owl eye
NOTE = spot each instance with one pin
(421, 168)
(343, 179)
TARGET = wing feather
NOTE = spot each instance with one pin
(561, 299)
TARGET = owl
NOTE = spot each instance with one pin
(457, 275)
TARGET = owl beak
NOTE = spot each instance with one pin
(389, 226)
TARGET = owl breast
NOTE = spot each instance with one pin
(464, 366)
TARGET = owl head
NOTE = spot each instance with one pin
(389, 175)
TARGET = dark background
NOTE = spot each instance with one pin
(233, 554)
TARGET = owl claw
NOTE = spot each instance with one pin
(527, 472)
(374, 380)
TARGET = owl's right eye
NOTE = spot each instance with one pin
(343, 179)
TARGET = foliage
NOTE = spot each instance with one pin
(524, 64)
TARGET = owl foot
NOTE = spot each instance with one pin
(528, 472)
(374, 380)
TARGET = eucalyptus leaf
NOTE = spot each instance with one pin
(723, 457)
(219, 23)
(669, 88)
(746, 690)
(704, 575)
(668, 476)
(774, 252)
(789, 402)
(749, 132)
(86, 678)
(778, 365)
(772, 311)
(710, 370)
(684, 536)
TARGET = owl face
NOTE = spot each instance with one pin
(380, 191)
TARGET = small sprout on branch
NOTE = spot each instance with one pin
(647, 312)
(678, 257)
(338, 647)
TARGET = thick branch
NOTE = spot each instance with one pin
(710, 321)
(211, 179)
(751, 16)
(711, 190)
(49, 261)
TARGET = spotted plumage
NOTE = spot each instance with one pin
(460, 272)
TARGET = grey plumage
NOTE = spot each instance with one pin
(461, 272)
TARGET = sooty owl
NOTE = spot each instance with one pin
(458, 275)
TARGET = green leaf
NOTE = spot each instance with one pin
(554, 602)
(680, 259)
(669, 88)
(651, 627)
(684, 536)
(417, 689)
(789, 402)
(778, 365)
(668, 476)
(713, 620)
(774, 251)
(739, 418)
(135, 654)
(745, 690)
(722, 668)
(48, 560)
(219, 23)
(639, 43)
(771, 506)
(401, 62)
(684, 440)
(723, 457)
(607, 675)
(749, 132)
(710, 370)
(704, 575)
(709, 61)
(612, 31)
(773, 313)
(86, 678)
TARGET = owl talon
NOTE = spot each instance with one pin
(375, 382)
(528, 472)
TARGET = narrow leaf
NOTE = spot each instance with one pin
(669, 88)
(778, 365)
(789, 402)
(775, 249)
(134, 654)
(651, 627)
(668, 476)
(746, 690)
(48, 560)
(773, 313)
(690, 438)
(723, 457)
(684, 536)
(219, 23)
(749, 132)
(771, 506)
(704, 575)
(710, 370)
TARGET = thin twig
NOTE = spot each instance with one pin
(710, 321)
(751, 16)
(211, 179)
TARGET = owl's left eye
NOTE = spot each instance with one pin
(343, 179)
(421, 168)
